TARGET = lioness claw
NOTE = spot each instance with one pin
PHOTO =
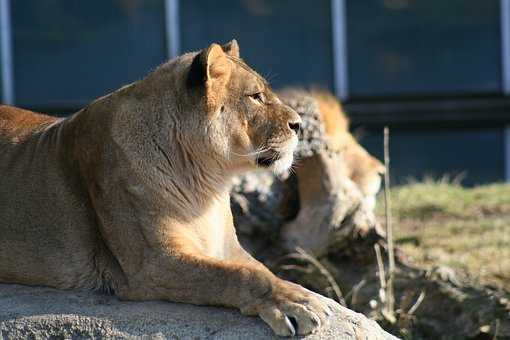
(290, 326)
(292, 309)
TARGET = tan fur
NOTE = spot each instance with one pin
(335, 121)
(131, 193)
(361, 167)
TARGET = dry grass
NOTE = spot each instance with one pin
(439, 223)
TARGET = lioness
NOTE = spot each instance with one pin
(361, 167)
(131, 193)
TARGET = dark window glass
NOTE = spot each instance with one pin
(67, 52)
(410, 47)
(288, 41)
(420, 153)
(2, 99)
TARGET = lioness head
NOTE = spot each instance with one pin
(232, 118)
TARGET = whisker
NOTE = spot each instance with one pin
(292, 170)
(296, 163)
(253, 153)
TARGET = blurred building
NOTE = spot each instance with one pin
(437, 72)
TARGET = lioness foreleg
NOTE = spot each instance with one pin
(246, 285)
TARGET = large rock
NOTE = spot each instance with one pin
(41, 313)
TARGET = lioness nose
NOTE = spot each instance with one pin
(295, 126)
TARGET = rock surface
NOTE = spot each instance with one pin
(41, 313)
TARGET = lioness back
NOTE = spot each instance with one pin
(41, 205)
(16, 123)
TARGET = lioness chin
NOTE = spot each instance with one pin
(131, 193)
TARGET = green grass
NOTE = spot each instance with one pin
(443, 224)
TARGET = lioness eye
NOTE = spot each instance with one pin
(259, 97)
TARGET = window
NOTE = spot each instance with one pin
(68, 52)
(414, 65)
(434, 47)
(287, 41)
(418, 153)
(2, 95)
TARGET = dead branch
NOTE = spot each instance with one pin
(353, 293)
(382, 274)
(390, 305)
(417, 304)
(334, 285)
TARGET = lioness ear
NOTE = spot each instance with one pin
(218, 70)
(231, 48)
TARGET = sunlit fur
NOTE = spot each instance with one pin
(362, 168)
(131, 193)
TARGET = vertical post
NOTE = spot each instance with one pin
(505, 59)
(506, 136)
(339, 23)
(172, 28)
(6, 65)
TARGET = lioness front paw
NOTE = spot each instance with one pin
(292, 309)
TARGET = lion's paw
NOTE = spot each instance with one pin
(292, 309)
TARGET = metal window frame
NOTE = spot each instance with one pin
(172, 28)
(505, 60)
(339, 34)
(6, 64)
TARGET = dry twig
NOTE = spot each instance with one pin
(390, 298)
(382, 274)
(304, 270)
(417, 304)
(353, 293)
(496, 330)
(304, 256)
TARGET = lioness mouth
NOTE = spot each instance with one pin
(267, 161)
